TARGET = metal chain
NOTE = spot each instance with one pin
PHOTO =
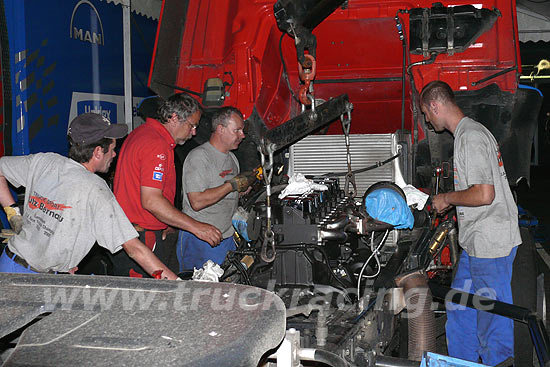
(269, 236)
(350, 177)
(307, 75)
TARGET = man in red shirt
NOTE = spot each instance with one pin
(145, 182)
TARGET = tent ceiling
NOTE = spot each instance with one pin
(148, 8)
(533, 21)
(533, 16)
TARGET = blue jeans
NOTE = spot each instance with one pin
(7, 265)
(473, 334)
(193, 252)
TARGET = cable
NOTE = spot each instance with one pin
(361, 170)
(285, 74)
(325, 256)
(375, 254)
(242, 271)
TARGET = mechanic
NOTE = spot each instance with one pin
(67, 207)
(211, 187)
(145, 183)
(488, 230)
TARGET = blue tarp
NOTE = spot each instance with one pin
(388, 206)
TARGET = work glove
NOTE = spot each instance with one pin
(241, 182)
(14, 217)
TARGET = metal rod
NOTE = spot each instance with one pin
(302, 125)
(529, 77)
(494, 75)
(539, 336)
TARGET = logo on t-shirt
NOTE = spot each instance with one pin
(225, 173)
(47, 206)
(157, 176)
(499, 159)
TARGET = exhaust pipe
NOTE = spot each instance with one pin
(421, 319)
(333, 235)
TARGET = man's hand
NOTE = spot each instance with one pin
(440, 203)
(14, 218)
(208, 233)
(241, 182)
(167, 231)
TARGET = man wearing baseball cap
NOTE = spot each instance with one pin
(67, 207)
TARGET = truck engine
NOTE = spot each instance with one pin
(348, 271)
(337, 269)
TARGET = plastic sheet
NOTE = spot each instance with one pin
(388, 206)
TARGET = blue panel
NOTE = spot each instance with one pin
(15, 19)
(430, 359)
(71, 47)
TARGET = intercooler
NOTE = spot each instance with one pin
(320, 154)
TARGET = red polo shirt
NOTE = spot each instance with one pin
(146, 159)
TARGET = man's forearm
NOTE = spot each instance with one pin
(162, 209)
(6, 199)
(153, 201)
(147, 259)
(165, 212)
(201, 200)
(476, 195)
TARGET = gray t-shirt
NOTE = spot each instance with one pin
(206, 167)
(67, 209)
(487, 231)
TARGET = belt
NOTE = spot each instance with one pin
(19, 260)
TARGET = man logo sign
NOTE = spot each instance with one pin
(88, 32)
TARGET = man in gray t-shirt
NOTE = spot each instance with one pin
(67, 207)
(488, 229)
(211, 187)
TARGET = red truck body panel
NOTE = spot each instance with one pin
(358, 42)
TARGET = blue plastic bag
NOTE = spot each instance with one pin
(388, 206)
(240, 223)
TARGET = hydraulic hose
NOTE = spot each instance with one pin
(383, 361)
(323, 356)
(331, 359)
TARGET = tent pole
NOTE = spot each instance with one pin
(128, 116)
